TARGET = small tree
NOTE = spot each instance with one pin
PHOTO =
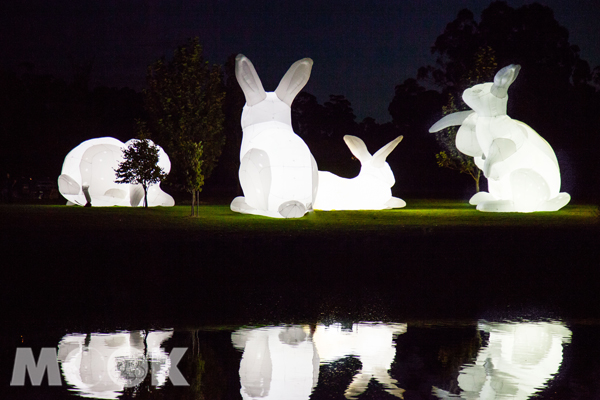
(184, 105)
(190, 154)
(482, 70)
(450, 157)
(140, 166)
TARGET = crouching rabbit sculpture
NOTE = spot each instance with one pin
(88, 176)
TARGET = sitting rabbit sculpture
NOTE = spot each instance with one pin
(369, 190)
(88, 176)
(521, 167)
(278, 173)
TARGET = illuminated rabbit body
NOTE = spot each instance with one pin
(278, 174)
(88, 176)
(369, 190)
(521, 167)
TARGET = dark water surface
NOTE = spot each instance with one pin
(367, 360)
(420, 313)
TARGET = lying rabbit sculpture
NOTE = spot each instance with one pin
(88, 176)
(278, 174)
(369, 190)
(521, 167)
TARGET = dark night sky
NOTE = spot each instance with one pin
(361, 48)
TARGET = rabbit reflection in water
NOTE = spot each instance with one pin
(521, 167)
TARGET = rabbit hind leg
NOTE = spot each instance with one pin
(239, 205)
(556, 203)
(487, 202)
(481, 197)
(529, 190)
(395, 202)
(255, 179)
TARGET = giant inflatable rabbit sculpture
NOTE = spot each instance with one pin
(88, 176)
(369, 190)
(278, 174)
(521, 167)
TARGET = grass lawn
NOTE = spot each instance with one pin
(434, 258)
(421, 214)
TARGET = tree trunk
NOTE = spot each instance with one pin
(193, 200)
(197, 203)
(145, 196)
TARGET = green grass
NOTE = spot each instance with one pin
(431, 258)
(421, 214)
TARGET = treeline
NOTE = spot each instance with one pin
(557, 93)
(42, 118)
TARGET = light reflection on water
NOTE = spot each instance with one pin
(517, 361)
(511, 360)
(282, 362)
(102, 365)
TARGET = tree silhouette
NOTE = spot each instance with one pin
(140, 166)
(482, 70)
(323, 127)
(184, 103)
(554, 93)
(43, 117)
(226, 173)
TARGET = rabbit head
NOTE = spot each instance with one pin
(490, 99)
(264, 106)
(373, 167)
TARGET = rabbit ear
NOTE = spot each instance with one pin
(294, 80)
(249, 81)
(503, 80)
(456, 118)
(381, 154)
(358, 148)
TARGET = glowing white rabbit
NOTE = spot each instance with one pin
(88, 176)
(369, 190)
(521, 167)
(278, 174)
